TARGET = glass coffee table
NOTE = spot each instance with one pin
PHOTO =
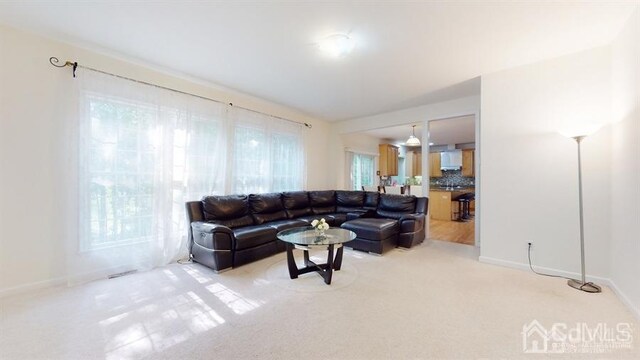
(306, 238)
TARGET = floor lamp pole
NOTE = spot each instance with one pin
(582, 284)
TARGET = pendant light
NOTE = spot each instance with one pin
(413, 140)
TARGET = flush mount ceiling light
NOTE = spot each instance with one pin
(413, 140)
(336, 45)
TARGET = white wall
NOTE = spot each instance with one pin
(32, 156)
(445, 109)
(361, 142)
(625, 182)
(529, 171)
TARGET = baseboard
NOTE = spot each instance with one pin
(551, 271)
(596, 279)
(69, 280)
(38, 285)
(635, 310)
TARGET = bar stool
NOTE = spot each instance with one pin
(463, 206)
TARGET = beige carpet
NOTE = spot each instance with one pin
(434, 301)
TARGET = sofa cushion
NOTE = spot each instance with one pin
(286, 224)
(347, 201)
(371, 199)
(309, 219)
(394, 206)
(372, 229)
(266, 207)
(296, 203)
(338, 218)
(229, 210)
(250, 236)
(322, 202)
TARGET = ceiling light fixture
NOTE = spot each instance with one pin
(413, 140)
(337, 45)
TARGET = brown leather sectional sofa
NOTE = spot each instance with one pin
(232, 230)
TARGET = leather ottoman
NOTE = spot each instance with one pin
(373, 234)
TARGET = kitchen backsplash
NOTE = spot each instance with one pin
(452, 177)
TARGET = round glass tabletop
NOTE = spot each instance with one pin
(306, 235)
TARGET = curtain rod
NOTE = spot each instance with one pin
(54, 61)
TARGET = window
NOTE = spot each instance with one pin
(136, 152)
(143, 152)
(287, 160)
(251, 153)
(269, 156)
(120, 178)
(362, 171)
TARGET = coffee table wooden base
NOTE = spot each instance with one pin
(325, 270)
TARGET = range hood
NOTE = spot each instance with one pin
(451, 160)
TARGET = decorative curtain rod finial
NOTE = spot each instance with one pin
(55, 62)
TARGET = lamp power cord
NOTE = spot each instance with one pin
(189, 259)
(539, 273)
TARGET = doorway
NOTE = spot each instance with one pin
(420, 162)
(452, 179)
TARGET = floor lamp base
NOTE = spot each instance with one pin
(586, 287)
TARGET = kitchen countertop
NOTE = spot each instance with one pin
(455, 189)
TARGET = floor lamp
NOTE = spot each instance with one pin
(582, 284)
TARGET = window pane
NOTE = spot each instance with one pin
(251, 153)
(363, 171)
(120, 163)
(286, 163)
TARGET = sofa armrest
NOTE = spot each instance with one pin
(212, 236)
(212, 245)
(411, 222)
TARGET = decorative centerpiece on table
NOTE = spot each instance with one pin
(320, 226)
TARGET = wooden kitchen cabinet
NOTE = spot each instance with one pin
(468, 163)
(434, 165)
(388, 161)
(440, 205)
(416, 163)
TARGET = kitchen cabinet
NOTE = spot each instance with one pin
(468, 163)
(416, 163)
(434, 165)
(388, 161)
(440, 205)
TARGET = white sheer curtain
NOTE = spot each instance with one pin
(138, 153)
(268, 154)
(143, 152)
(348, 171)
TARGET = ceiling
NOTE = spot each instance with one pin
(459, 130)
(406, 54)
